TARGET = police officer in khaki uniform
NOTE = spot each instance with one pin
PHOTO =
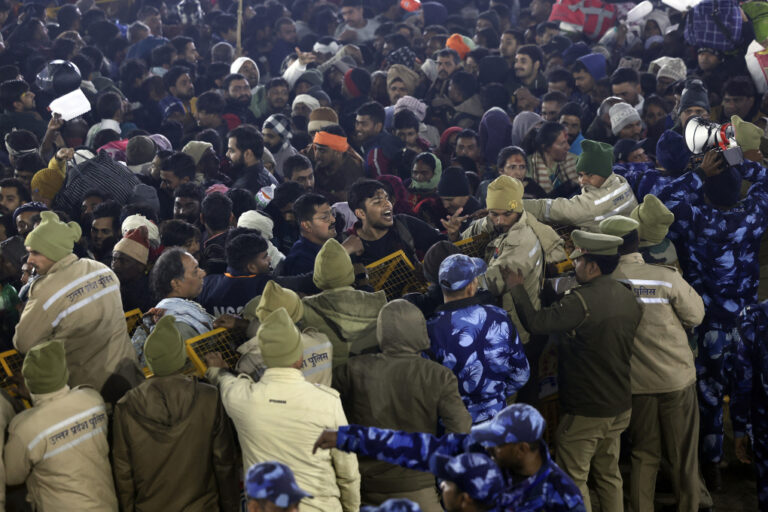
(665, 413)
(654, 219)
(603, 193)
(518, 240)
(598, 320)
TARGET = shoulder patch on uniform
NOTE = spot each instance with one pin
(327, 389)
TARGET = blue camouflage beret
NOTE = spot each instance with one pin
(273, 481)
(394, 505)
(517, 423)
(474, 473)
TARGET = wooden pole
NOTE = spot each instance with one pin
(240, 28)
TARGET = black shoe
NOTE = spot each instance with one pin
(712, 477)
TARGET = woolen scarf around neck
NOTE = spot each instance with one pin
(432, 183)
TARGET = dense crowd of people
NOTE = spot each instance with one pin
(465, 255)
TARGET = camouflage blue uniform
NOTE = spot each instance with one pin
(481, 347)
(718, 252)
(644, 178)
(749, 397)
(273, 481)
(550, 489)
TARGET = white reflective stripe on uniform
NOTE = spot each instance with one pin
(547, 208)
(613, 194)
(72, 444)
(71, 285)
(83, 303)
(614, 211)
(653, 301)
(646, 282)
(42, 435)
(534, 249)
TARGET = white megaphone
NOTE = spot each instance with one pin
(702, 135)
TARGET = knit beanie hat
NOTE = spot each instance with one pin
(311, 76)
(622, 114)
(145, 194)
(399, 72)
(164, 349)
(275, 297)
(45, 367)
(418, 107)
(595, 64)
(52, 238)
(492, 68)
(135, 244)
(309, 101)
(672, 154)
(654, 219)
(461, 44)
(505, 193)
(137, 220)
(195, 149)
(280, 340)
(574, 52)
(673, 68)
(618, 225)
(435, 13)
(453, 183)
(694, 95)
(357, 82)
(47, 183)
(140, 150)
(747, 134)
(254, 219)
(596, 158)
(333, 267)
(723, 189)
(757, 12)
(322, 117)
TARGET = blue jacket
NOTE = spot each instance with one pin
(550, 489)
(481, 347)
(301, 259)
(718, 249)
(643, 178)
(230, 292)
(749, 397)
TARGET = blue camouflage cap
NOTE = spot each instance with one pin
(516, 423)
(474, 473)
(394, 505)
(273, 481)
(458, 270)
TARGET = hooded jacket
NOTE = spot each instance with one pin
(155, 424)
(399, 389)
(348, 317)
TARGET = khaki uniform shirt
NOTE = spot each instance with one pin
(279, 418)
(528, 246)
(662, 360)
(586, 210)
(60, 448)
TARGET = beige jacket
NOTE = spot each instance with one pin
(78, 301)
(586, 210)
(279, 418)
(528, 245)
(662, 360)
(7, 412)
(60, 448)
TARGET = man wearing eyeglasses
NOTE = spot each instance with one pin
(317, 224)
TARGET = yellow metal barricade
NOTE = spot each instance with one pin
(395, 274)
(217, 340)
(474, 246)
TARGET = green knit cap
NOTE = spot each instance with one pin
(280, 340)
(747, 134)
(757, 12)
(52, 238)
(618, 225)
(164, 349)
(654, 219)
(596, 158)
(45, 368)
(333, 267)
(276, 297)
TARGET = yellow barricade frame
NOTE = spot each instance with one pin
(379, 273)
(217, 340)
(132, 319)
(474, 246)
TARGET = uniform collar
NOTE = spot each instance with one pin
(282, 375)
(38, 400)
(633, 257)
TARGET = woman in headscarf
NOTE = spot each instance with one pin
(522, 124)
(495, 133)
(448, 144)
(425, 175)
